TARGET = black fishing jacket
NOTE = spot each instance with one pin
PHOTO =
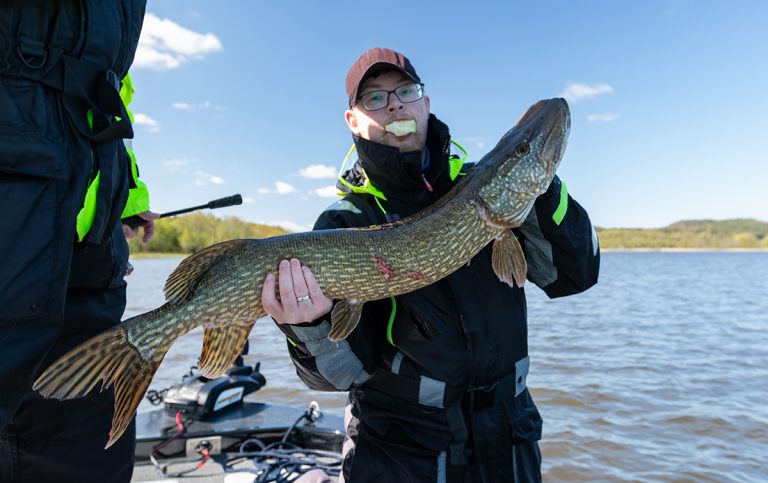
(61, 124)
(412, 359)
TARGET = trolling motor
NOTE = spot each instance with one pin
(200, 398)
(136, 221)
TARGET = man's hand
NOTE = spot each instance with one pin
(149, 227)
(301, 299)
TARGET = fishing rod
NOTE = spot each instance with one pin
(136, 221)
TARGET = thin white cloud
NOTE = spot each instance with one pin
(248, 199)
(283, 188)
(188, 106)
(202, 178)
(318, 171)
(577, 92)
(174, 165)
(607, 117)
(325, 192)
(165, 45)
(144, 120)
(479, 143)
(280, 188)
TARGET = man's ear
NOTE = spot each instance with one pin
(426, 99)
(351, 118)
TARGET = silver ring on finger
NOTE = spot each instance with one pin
(304, 298)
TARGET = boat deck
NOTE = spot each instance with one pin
(231, 458)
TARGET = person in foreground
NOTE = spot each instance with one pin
(436, 377)
(66, 179)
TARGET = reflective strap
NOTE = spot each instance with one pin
(441, 467)
(396, 361)
(559, 213)
(431, 392)
(521, 374)
(424, 390)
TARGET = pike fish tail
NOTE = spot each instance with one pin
(128, 355)
(114, 358)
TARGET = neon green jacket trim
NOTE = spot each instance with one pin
(454, 164)
(138, 197)
(562, 207)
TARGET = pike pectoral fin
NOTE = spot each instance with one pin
(182, 282)
(221, 346)
(508, 259)
(344, 318)
(107, 358)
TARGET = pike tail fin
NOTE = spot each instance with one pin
(108, 358)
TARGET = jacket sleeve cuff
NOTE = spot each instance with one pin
(307, 331)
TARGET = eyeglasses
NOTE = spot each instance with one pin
(375, 100)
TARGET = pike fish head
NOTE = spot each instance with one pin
(525, 160)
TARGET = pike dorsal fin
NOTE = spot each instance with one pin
(221, 346)
(182, 282)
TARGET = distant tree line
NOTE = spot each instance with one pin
(695, 234)
(190, 233)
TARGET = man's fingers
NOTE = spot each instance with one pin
(285, 280)
(299, 285)
(149, 215)
(314, 289)
(149, 232)
(268, 300)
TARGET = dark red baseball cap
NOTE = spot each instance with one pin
(373, 61)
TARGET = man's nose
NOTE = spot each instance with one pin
(394, 103)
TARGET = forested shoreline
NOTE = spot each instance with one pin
(190, 233)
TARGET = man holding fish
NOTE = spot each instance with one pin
(436, 377)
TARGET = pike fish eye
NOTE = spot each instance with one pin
(522, 149)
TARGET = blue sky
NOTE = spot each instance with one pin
(668, 98)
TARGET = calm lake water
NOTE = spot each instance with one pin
(658, 373)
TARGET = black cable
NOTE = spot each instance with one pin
(283, 461)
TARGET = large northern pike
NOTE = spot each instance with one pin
(220, 286)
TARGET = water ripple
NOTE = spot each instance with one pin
(659, 373)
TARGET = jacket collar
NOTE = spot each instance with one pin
(399, 176)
